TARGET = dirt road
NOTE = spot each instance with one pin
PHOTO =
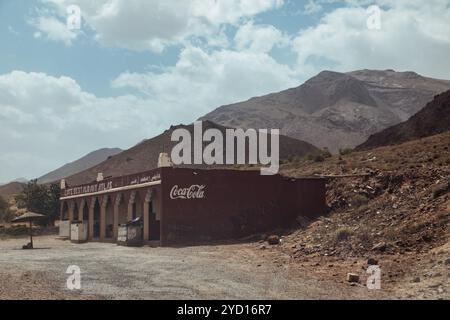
(112, 272)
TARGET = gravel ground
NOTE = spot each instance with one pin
(112, 272)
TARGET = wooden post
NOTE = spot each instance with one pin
(116, 217)
(31, 234)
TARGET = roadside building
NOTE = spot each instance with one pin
(183, 206)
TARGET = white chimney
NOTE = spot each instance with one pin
(99, 177)
(164, 161)
(63, 184)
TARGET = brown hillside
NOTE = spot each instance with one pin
(432, 120)
(144, 156)
(390, 205)
(11, 189)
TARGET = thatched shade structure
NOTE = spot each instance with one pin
(29, 217)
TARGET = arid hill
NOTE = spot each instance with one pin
(144, 156)
(79, 165)
(336, 110)
(432, 120)
(11, 189)
(389, 207)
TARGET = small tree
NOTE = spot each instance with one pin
(41, 199)
(5, 213)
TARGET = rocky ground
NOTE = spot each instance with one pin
(391, 204)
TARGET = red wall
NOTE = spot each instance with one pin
(236, 204)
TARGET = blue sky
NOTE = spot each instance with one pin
(138, 66)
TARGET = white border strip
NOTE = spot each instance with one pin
(136, 186)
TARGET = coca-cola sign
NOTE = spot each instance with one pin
(193, 192)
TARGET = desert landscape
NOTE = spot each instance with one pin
(225, 150)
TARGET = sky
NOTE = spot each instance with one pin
(133, 68)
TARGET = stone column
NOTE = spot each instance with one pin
(116, 216)
(71, 209)
(81, 210)
(91, 219)
(146, 214)
(130, 206)
(103, 218)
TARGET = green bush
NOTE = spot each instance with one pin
(5, 213)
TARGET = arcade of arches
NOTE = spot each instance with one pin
(105, 213)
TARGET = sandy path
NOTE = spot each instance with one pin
(205, 272)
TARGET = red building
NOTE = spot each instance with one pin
(183, 206)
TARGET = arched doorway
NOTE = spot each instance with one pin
(75, 211)
(109, 218)
(96, 234)
(85, 212)
(154, 219)
(65, 212)
(122, 209)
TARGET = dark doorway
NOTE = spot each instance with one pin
(65, 212)
(75, 212)
(154, 225)
(85, 211)
(96, 234)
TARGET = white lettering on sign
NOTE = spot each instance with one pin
(193, 192)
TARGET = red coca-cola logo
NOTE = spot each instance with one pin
(193, 192)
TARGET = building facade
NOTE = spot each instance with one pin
(184, 206)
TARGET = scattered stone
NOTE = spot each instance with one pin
(352, 278)
(416, 280)
(273, 240)
(382, 246)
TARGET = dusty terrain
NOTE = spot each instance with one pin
(236, 271)
(391, 204)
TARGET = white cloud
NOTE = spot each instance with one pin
(53, 120)
(201, 81)
(312, 7)
(54, 30)
(258, 38)
(153, 25)
(412, 37)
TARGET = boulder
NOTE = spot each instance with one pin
(352, 278)
(273, 240)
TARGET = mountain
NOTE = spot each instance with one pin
(11, 189)
(433, 119)
(144, 156)
(20, 180)
(79, 165)
(336, 110)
